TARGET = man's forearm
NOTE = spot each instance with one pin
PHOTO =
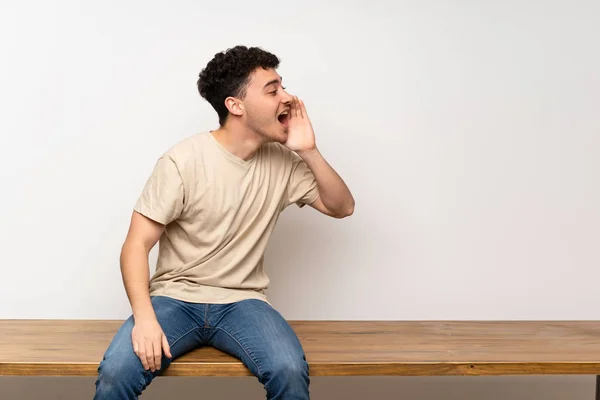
(333, 191)
(136, 272)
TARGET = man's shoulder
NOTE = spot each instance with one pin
(187, 149)
(188, 144)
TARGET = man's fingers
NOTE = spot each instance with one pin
(295, 106)
(150, 355)
(157, 353)
(166, 346)
(142, 356)
(140, 353)
(301, 108)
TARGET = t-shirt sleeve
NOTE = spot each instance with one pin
(302, 186)
(162, 198)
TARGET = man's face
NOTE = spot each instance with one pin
(267, 104)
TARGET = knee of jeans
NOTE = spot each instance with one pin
(122, 372)
(288, 369)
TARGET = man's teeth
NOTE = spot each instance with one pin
(283, 116)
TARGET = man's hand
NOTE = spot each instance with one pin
(148, 341)
(334, 198)
(301, 136)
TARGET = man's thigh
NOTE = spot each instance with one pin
(257, 334)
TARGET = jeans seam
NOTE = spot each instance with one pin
(183, 335)
(248, 353)
(142, 384)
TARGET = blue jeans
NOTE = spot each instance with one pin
(250, 330)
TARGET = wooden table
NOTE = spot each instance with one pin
(334, 348)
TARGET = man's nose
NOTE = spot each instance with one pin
(287, 98)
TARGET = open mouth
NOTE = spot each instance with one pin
(284, 118)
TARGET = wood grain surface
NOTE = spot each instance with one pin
(333, 348)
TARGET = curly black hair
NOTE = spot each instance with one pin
(227, 74)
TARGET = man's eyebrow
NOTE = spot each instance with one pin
(273, 81)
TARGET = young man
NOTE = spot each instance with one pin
(213, 200)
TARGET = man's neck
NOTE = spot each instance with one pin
(239, 141)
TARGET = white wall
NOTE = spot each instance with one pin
(467, 131)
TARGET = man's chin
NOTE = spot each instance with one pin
(282, 136)
(278, 135)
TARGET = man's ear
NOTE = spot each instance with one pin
(234, 105)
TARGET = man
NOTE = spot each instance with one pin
(213, 200)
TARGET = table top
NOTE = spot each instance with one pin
(333, 348)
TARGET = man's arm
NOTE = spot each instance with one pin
(147, 337)
(334, 198)
(142, 236)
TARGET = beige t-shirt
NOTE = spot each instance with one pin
(219, 212)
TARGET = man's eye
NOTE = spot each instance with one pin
(275, 91)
